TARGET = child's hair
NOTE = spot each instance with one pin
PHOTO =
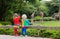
(24, 16)
(15, 15)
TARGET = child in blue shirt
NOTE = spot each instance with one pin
(25, 23)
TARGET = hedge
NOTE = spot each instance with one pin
(56, 35)
(38, 18)
(32, 32)
(5, 23)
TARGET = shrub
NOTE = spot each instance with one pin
(0, 24)
(9, 31)
(37, 18)
(49, 19)
(31, 32)
(2, 31)
(6, 23)
(6, 31)
(44, 33)
(56, 35)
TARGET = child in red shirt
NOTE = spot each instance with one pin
(16, 19)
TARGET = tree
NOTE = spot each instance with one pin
(53, 7)
(8, 7)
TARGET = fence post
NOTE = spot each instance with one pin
(38, 31)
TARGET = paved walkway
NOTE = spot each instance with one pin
(18, 37)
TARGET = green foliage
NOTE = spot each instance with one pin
(37, 18)
(6, 31)
(56, 35)
(6, 23)
(44, 9)
(49, 19)
(26, 7)
(47, 23)
(44, 33)
(53, 7)
(32, 32)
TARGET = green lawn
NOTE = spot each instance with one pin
(47, 23)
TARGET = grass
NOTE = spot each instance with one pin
(47, 23)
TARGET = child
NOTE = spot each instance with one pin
(25, 23)
(16, 19)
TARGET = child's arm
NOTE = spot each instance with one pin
(22, 23)
(28, 22)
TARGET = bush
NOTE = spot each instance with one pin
(44, 33)
(0, 24)
(6, 23)
(49, 19)
(37, 18)
(9, 31)
(6, 31)
(31, 32)
(2, 31)
(56, 35)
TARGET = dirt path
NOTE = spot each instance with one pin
(19, 37)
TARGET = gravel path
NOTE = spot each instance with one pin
(19, 37)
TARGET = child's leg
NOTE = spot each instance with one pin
(15, 32)
(22, 31)
(25, 31)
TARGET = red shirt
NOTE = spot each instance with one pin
(16, 20)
